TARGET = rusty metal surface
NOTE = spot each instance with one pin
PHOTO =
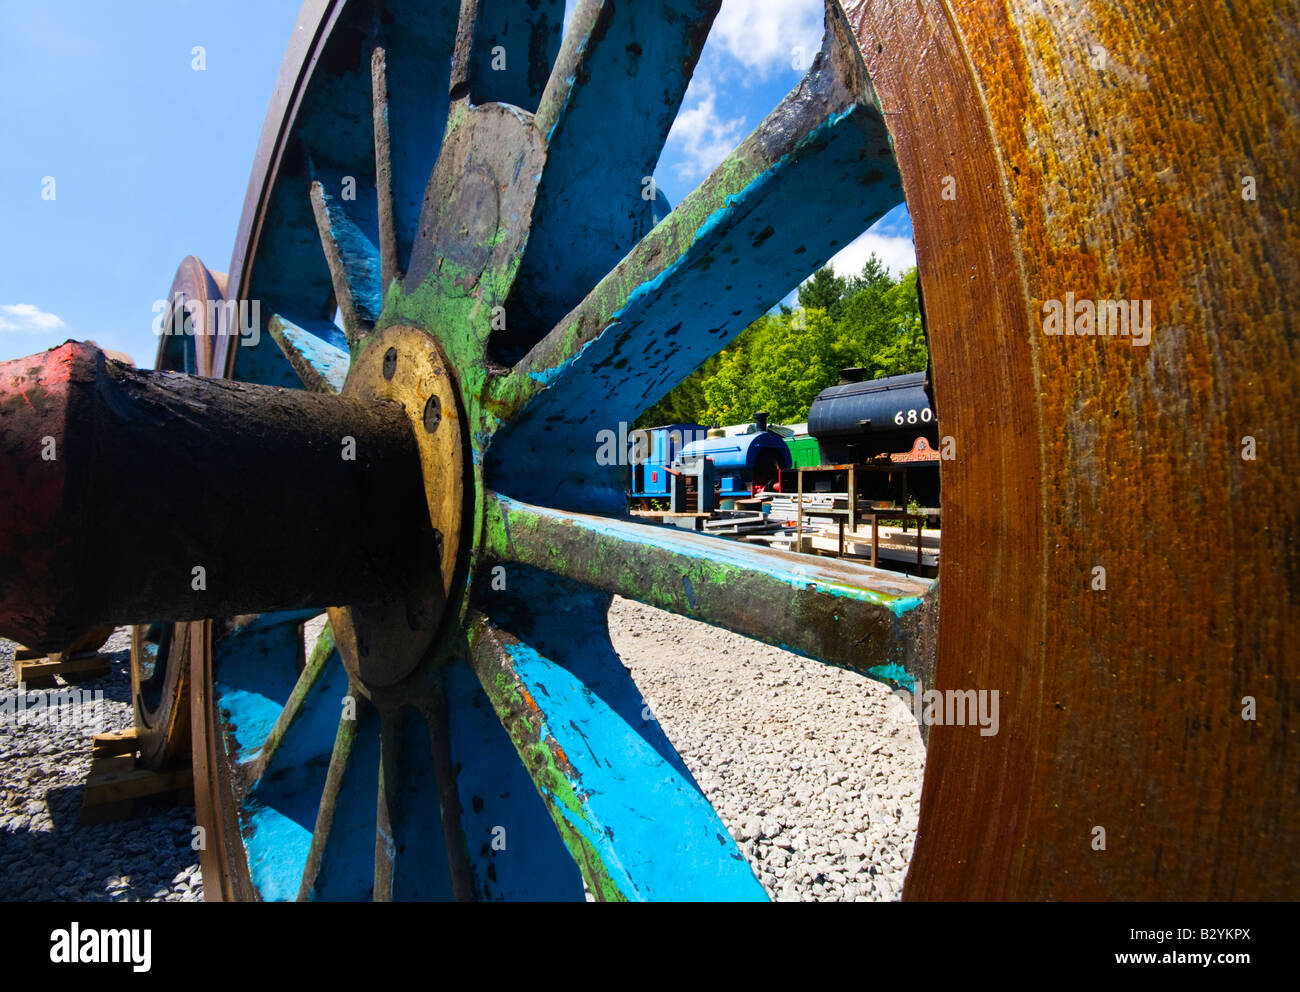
(160, 653)
(221, 858)
(34, 413)
(160, 691)
(1101, 151)
(191, 322)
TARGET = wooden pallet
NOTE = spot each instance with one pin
(117, 781)
(38, 670)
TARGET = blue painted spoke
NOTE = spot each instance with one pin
(329, 136)
(770, 215)
(352, 180)
(305, 693)
(513, 849)
(505, 50)
(281, 809)
(350, 240)
(292, 278)
(340, 757)
(255, 671)
(421, 853)
(319, 355)
(835, 611)
(635, 822)
(411, 853)
(385, 844)
(628, 63)
(410, 80)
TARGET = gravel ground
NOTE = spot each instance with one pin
(45, 854)
(816, 771)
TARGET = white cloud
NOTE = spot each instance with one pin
(25, 317)
(897, 253)
(704, 136)
(766, 35)
(763, 36)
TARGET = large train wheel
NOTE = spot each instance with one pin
(511, 296)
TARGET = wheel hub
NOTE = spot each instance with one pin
(384, 642)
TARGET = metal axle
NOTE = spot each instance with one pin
(134, 496)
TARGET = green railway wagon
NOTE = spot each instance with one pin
(805, 451)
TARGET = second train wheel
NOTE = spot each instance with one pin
(160, 651)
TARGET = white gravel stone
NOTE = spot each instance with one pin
(45, 853)
(821, 765)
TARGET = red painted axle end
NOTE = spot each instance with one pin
(36, 530)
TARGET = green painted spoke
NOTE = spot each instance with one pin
(847, 614)
(321, 657)
(339, 761)
(385, 845)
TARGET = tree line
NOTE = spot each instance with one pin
(785, 358)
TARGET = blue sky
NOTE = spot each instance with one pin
(150, 158)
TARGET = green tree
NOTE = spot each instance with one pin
(874, 274)
(866, 324)
(824, 291)
(784, 359)
(786, 362)
(905, 349)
